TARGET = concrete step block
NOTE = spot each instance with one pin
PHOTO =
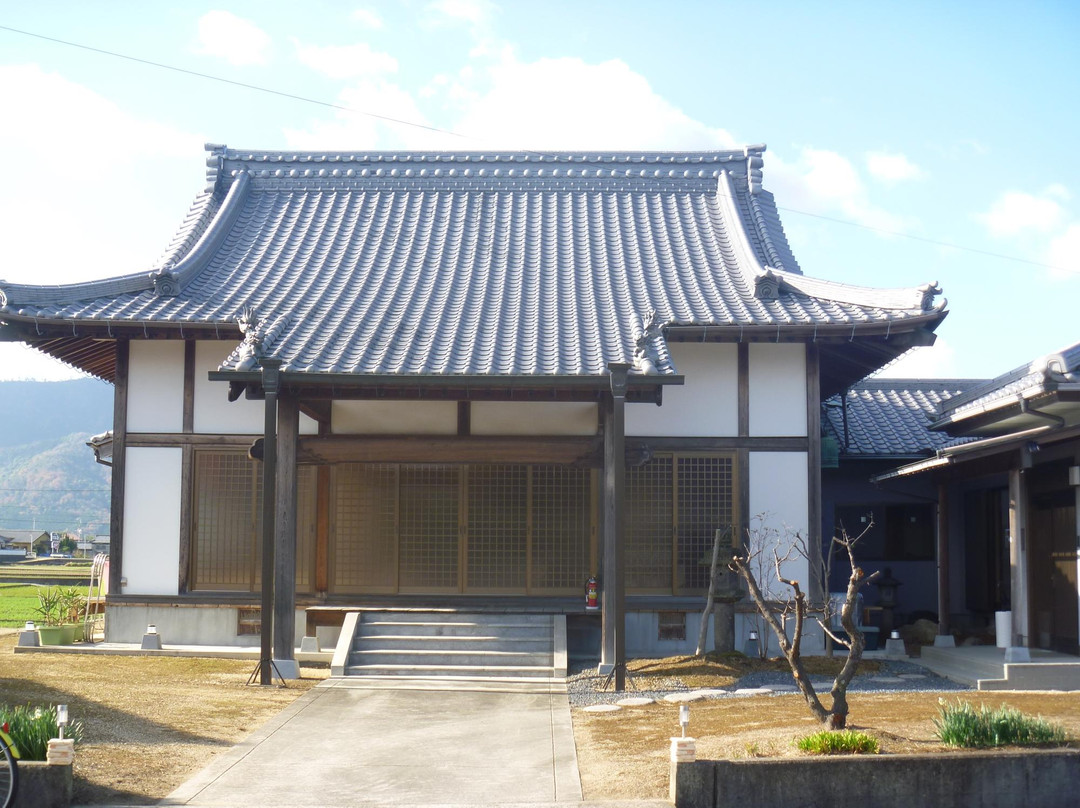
(455, 643)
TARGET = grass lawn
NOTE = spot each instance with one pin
(150, 723)
(17, 604)
(624, 755)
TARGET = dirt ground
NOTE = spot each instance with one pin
(151, 723)
(624, 755)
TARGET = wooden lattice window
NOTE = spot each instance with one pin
(227, 517)
(674, 505)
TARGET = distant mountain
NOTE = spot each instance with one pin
(49, 479)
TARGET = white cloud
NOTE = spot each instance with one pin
(568, 103)
(475, 13)
(368, 17)
(1015, 212)
(892, 168)
(826, 183)
(345, 61)
(937, 361)
(1064, 254)
(238, 41)
(91, 205)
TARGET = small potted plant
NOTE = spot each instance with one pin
(73, 611)
(51, 611)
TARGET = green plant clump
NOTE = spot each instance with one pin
(847, 742)
(31, 728)
(960, 724)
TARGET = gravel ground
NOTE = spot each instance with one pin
(586, 688)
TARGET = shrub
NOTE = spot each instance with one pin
(32, 727)
(847, 742)
(960, 724)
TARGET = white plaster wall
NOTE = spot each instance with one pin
(214, 413)
(707, 405)
(779, 500)
(152, 521)
(394, 418)
(533, 418)
(777, 389)
(156, 386)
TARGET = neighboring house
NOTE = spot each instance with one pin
(484, 377)
(1009, 538)
(874, 426)
(21, 540)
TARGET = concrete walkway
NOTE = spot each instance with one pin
(348, 742)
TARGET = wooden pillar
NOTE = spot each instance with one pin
(187, 470)
(119, 463)
(743, 454)
(1018, 557)
(818, 586)
(944, 600)
(270, 373)
(613, 591)
(288, 431)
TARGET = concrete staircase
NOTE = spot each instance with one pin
(984, 668)
(409, 645)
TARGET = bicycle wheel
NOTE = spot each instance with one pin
(9, 776)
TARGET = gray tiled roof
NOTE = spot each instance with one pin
(891, 417)
(475, 264)
(1034, 378)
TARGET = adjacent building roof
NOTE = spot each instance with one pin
(1044, 391)
(890, 418)
(461, 265)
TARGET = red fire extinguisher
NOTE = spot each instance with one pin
(592, 594)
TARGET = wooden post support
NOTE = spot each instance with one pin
(119, 464)
(1018, 557)
(288, 430)
(270, 375)
(944, 603)
(613, 592)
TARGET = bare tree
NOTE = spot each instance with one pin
(797, 607)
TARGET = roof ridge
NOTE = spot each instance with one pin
(221, 155)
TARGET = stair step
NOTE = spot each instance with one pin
(422, 671)
(456, 629)
(389, 642)
(446, 618)
(489, 659)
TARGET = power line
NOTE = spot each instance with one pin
(439, 130)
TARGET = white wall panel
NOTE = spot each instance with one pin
(779, 499)
(214, 413)
(394, 418)
(156, 386)
(777, 389)
(707, 405)
(533, 418)
(152, 521)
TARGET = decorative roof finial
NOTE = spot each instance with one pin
(767, 284)
(927, 293)
(646, 356)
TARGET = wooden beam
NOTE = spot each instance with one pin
(285, 500)
(464, 418)
(317, 411)
(580, 451)
(119, 462)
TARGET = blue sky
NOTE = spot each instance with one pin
(954, 123)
